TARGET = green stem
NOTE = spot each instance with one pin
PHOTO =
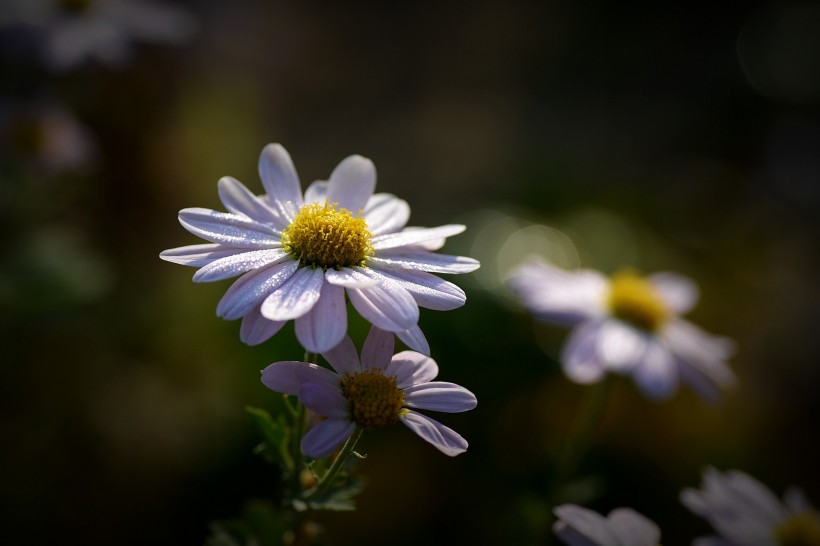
(338, 464)
(296, 439)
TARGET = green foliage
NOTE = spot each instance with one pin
(260, 524)
(276, 438)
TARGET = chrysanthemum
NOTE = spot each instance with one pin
(577, 526)
(627, 324)
(744, 512)
(299, 255)
(376, 391)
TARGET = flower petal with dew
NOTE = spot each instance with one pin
(627, 324)
(302, 256)
(371, 392)
(744, 512)
(578, 526)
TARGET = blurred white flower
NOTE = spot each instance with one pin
(744, 512)
(577, 526)
(627, 324)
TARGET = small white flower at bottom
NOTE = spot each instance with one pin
(577, 526)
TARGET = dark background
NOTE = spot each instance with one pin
(656, 135)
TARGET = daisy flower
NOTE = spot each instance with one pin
(577, 526)
(376, 391)
(744, 512)
(300, 255)
(627, 324)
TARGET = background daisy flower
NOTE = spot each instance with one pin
(300, 255)
(376, 391)
(745, 512)
(577, 526)
(627, 324)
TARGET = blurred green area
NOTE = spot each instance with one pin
(653, 135)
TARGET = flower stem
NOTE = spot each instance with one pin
(296, 438)
(338, 463)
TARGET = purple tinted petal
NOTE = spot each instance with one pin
(702, 351)
(198, 255)
(288, 376)
(441, 437)
(621, 346)
(281, 181)
(586, 523)
(422, 260)
(229, 229)
(296, 297)
(428, 290)
(415, 236)
(679, 293)
(343, 357)
(386, 213)
(570, 536)
(256, 329)
(440, 396)
(237, 264)
(252, 288)
(579, 358)
(411, 368)
(326, 437)
(656, 374)
(324, 326)
(323, 399)
(414, 338)
(388, 306)
(350, 277)
(316, 192)
(240, 200)
(633, 529)
(352, 183)
(377, 349)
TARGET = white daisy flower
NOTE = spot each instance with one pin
(627, 324)
(577, 526)
(300, 255)
(744, 512)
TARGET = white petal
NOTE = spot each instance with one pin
(377, 349)
(633, 529)
(656, 374)
(229, 229)
(324, 326)
(558, 296)
(287, 376)
(587, 523)
(324, 438)
(198, 255)
(679, 293)
(237, 264)
(431, 245)
(428, 290)
(316, 192)
(323, 399)
(256, 329)
(439, 396)
(240, 200)
(280, 180)
(421, 260)
(411, 368)
(351, 277)
(296, 297)
(343, 357)
(252, 288)
(413, 237)
(352, 183)
(386, 213)
(620, 345)
(570, 536)
(414, 338)
(702, 351)
(580, 359)
(443, 438)
(388, 306)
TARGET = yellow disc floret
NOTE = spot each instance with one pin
(327, 237)
(633, 299)
(375, 400)
(802, 529)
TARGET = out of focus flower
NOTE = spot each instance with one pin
(300, 255)
(577, 526)
(72, 31)
(376, 391)
(627, 324)
(744, 512)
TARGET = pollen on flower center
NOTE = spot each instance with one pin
(327, 237)
(802, 529)
(375, 400)
(633, 299)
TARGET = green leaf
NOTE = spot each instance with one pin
(259, 524)
(340, 498)
(275, 437)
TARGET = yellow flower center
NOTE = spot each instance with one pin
(633, 299)
(802, 529)
(375, 400)
(327, 237)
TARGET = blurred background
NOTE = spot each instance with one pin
(654, 135)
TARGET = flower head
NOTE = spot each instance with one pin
(577, 526)
(300, 255)
(377, 390)
(627, 324)
(744, 512)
